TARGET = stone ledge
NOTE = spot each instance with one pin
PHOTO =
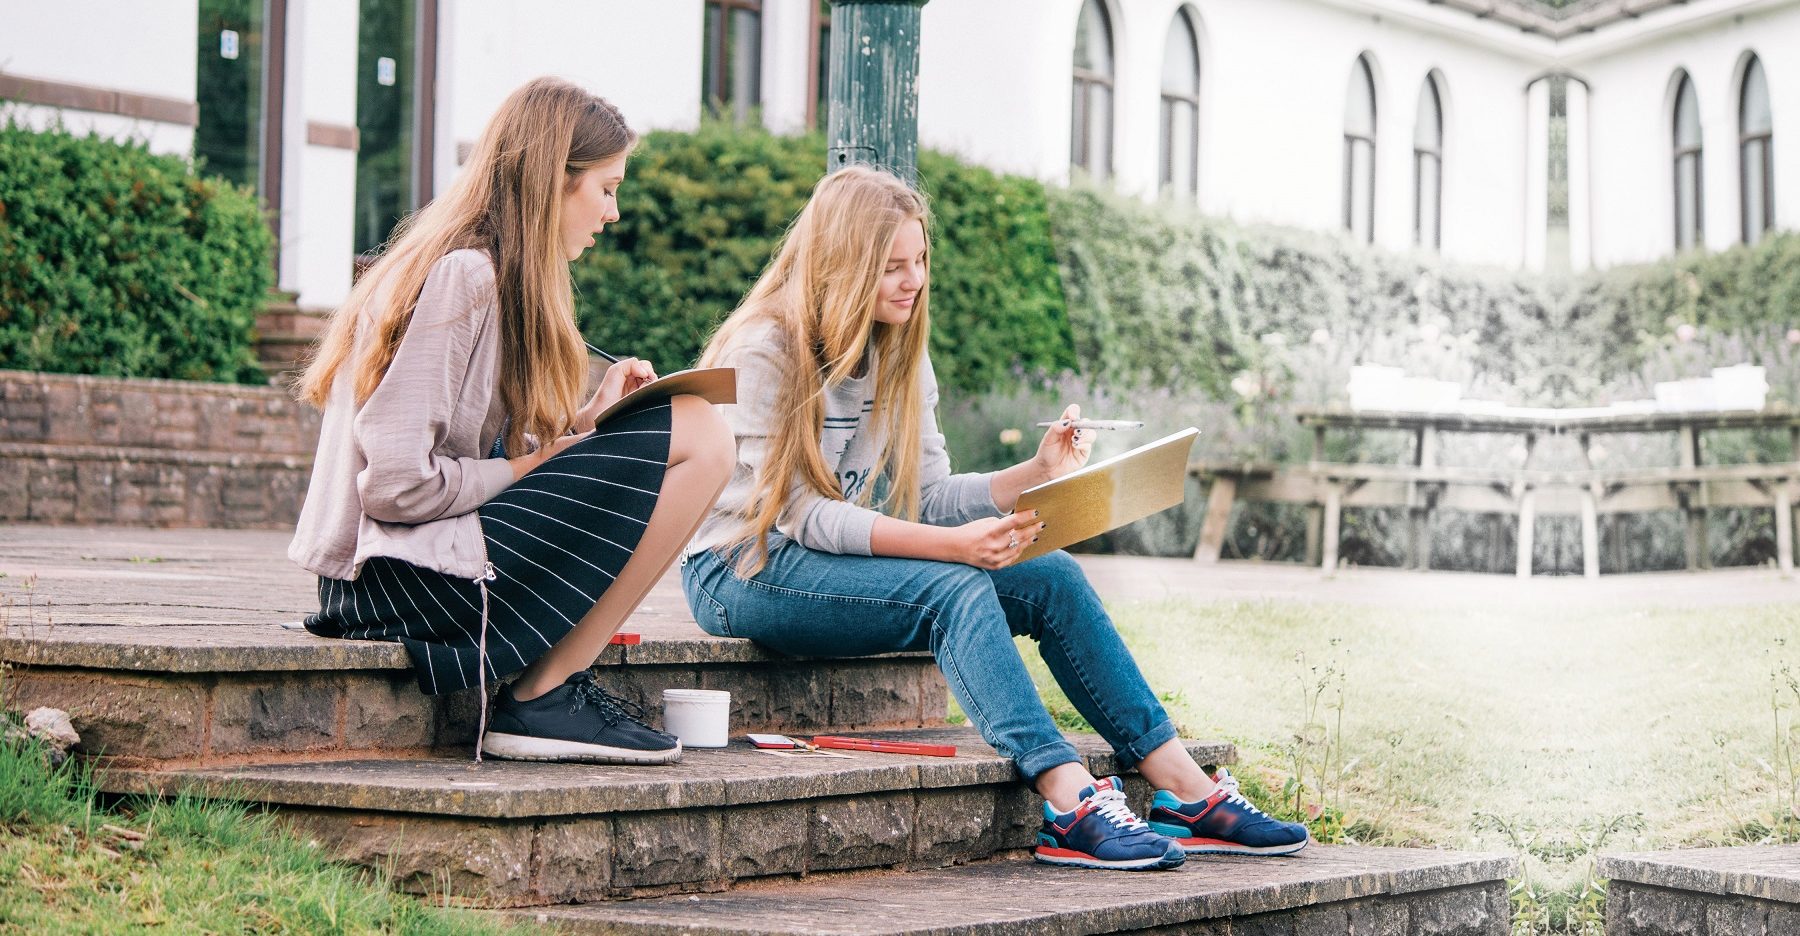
(240, 648)
(1765, 872)
(737, 775)
(1322, 890)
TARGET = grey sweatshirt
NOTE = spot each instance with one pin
(851, 446)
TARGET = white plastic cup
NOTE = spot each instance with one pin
(701, 718)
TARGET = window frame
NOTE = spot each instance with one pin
(1366, 71)
(714, 99)
(1437, 156)
(1184, 18)
(1083, 80)
(1697, 151)
(1765, 141)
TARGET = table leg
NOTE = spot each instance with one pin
(1590, 534)
(1784, 530)
(1218, 520)
(1527, 520)
(1315, 533)
(1334, 509)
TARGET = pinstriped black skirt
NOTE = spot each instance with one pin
(556, 539)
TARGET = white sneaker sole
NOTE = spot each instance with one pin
(526, 748)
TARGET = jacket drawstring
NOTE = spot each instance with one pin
(481, 664)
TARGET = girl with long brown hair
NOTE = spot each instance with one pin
(462, 501)
(844, 533)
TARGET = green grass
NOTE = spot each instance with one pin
(1550, 732)
(71, 866)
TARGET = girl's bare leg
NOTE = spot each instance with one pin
(1169, 767)
(702, 454)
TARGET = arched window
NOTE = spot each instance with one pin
(1180, 153)
(1756, 141)
(1689, 228)
(1091, 136)
(1359, 152)
(1428, 167)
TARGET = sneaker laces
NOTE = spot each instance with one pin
(1113, 807)
(611, 707)
(1229, 784)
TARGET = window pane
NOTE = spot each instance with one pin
(1428, 125)
(1430, 187)
(1756, 197)
(1753, 113)
(746, 62)
(1183, 143)
(1362, 189)
(1687, 201)
(229, 135)
(1181, 59)
(1359, 102)
(1093, 40)
(1099, 127)
(384, 119)
(1078, 154)
(712, 89)
(1687, 116)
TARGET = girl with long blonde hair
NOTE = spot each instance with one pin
(462, 501)
(844, 533)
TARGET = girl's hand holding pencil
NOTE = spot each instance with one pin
(622, 377)
(1065, 446)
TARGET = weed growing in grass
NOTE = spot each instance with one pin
(1317, 749)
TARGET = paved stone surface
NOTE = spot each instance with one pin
(1407, 892)
(733, 776)
(1767, 872)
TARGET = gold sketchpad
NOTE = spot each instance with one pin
(714, 384)
(1108, 494)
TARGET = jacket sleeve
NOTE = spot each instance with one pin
(403, 425)
(826, 524)
(947, 499)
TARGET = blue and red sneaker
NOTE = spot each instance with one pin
(1103, 832)
(1224, 823)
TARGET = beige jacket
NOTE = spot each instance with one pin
(401, 475)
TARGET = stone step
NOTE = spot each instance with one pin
(1323, 890)
(1751, 890)
(507, 834)
(177, 656)
(196, 695)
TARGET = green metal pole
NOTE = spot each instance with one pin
(874, 113)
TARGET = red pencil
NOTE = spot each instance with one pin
(885, 747)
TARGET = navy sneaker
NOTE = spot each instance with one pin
(1224, 823)
(1102, 832)
(576, 721)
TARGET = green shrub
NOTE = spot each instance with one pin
(117, 261)
(701, 214)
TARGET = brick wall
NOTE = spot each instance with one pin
(171, 453)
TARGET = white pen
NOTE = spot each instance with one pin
(1097, 424)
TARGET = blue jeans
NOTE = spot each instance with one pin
(811, 603)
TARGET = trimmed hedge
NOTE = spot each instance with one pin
(701, 213)
(120, 262)
(1161, 296)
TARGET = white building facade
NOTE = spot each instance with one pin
(1494, 132)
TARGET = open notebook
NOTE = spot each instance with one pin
(1108, 494)
(714, 384)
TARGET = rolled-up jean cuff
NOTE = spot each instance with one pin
(1034, 762)
(1137, 750)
